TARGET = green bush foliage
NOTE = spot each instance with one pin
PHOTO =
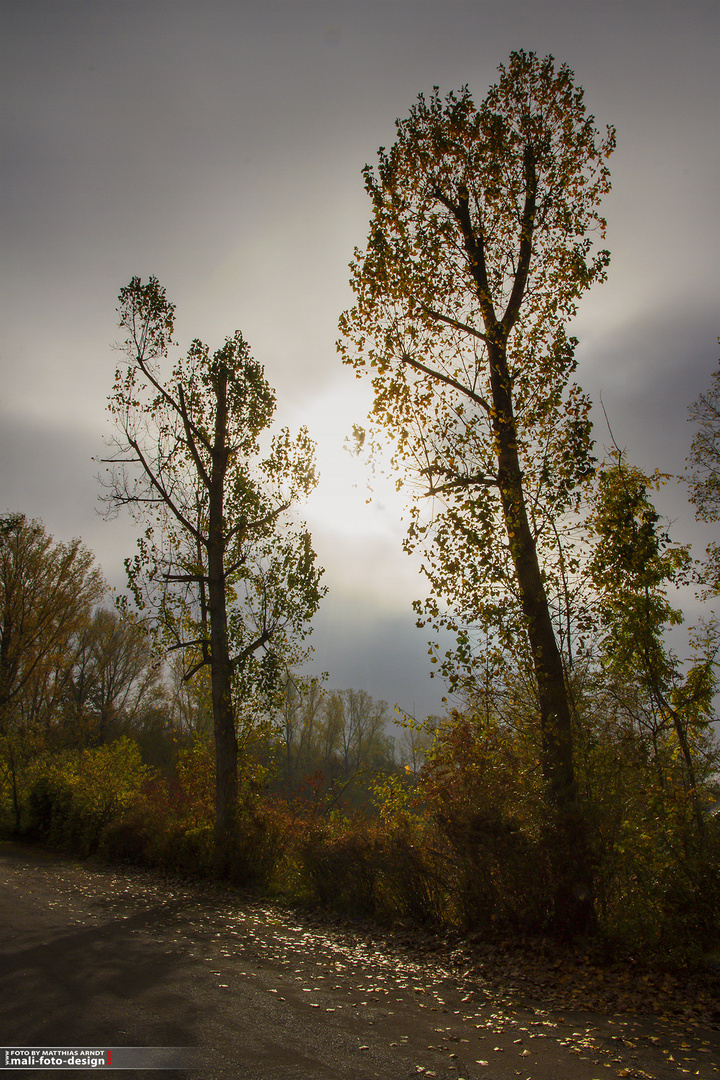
(464, 843)
(657, 848)
(485, 795)
(356, 866)
(76, 794)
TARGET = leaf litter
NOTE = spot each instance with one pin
(656, 1010)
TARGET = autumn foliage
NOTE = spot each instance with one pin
(458, 846)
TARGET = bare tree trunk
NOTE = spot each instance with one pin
(226, 746)
(574, 908)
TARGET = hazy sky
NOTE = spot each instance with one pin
(219, 146)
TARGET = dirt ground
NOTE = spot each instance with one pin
(95, 956)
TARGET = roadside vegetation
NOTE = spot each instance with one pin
(435, 824)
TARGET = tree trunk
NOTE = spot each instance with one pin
(574, 910)
(226, 747)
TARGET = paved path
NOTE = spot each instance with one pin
(93, 956)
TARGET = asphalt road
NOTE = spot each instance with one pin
(92, 956)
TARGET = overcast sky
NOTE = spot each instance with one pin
(219, 146)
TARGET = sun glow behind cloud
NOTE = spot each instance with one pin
(356, 516)
(349, 500)
(225, 157)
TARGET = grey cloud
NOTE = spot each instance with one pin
(219, 145)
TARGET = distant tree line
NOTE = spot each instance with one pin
(76, 674)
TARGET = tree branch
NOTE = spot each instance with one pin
(446, 379)
(261, 522)
(195, 668)
(251, 648)
(480, 480)
(455, 323)
(526, 235)
(190, 439)
(165, 498)
(187, 644)
(235, 566)
(167, 397)
(475, 248)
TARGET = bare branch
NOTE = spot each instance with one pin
(446, 379)
(526, 237)
(164, 496)
(455, 323)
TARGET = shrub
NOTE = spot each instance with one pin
(486, 802)
(339, 858)
(657, 876)
(77, 793)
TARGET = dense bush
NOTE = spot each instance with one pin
(461, 843)
(657, 850)
(76, 794)
(358, 867)
(171, 823)
(486, 800)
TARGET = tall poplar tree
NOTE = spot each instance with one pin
(480, 245)
(231, 581)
